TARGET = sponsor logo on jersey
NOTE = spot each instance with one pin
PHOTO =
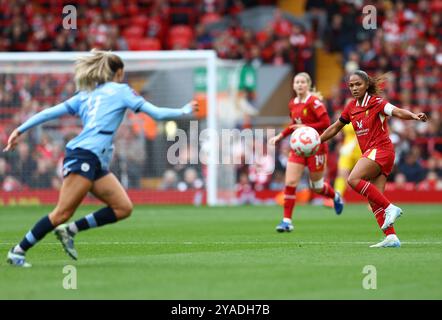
(298, 120)
(360, 131)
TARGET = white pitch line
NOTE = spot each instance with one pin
(229, 243)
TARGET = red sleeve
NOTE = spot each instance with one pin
(345, 115)
(380, 104)
(322, 124)
(321, 114)
(318, 108)
(287, 131)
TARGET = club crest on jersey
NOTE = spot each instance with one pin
(85, 167)
(298, 120)
(366, 112)
(304, 112)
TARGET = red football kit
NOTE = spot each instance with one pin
(312, 113)
(370, 125)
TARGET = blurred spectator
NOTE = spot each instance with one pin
(129, 156)
(190, 180)
(23, 164)
(169, 181)
(411, 167)
(3, 170)
(316, 16)
(244, 190)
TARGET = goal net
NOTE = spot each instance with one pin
(170, 161)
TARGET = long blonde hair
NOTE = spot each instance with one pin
(311, 89)
(95, 69)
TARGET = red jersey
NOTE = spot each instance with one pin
(369, 122)
(311, 112)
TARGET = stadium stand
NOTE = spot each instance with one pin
(409, 45)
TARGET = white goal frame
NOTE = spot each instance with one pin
(207, 57)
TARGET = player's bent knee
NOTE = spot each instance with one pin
(59, 216)
(353, 182)
(317, 186)
(319, 191)
(291, 183)
(124, 211)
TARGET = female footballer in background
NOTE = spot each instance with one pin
(305, 110)
(101, 103)
(367, 112)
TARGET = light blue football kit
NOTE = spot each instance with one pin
(102, 111)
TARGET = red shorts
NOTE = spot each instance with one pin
(383, 157)
(315, 163)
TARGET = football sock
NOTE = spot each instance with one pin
(97, 219)
(340, 185)
(373, 195)
(41, 228)
(289, 201)
(328, 191)
(379, 215)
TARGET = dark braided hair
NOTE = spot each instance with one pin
(374, 83)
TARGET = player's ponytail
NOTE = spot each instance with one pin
(375, 84)
(95, 69)
(312, 89)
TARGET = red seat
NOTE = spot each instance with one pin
(178, 43)
(209, 18)
(148, 44)
(133, 32)
(132, 43)
(181, 35)
(181, 31)
(140, 21)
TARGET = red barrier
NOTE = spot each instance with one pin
(396, 196)
(37, 197)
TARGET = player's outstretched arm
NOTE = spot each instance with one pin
(286, 132)
(35, 120)
(408, 115)
(168, 113)
(331, 131)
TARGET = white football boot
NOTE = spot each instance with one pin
(390, 241)
(66, 237)
(391, 214)
(17, 259)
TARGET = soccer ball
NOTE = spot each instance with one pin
(305, 141)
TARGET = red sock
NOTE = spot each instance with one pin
(379, 215)
(289, 201)
(373, 195)
(328, 191)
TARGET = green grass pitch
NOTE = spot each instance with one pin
(184, 252)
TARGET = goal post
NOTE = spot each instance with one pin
(166, 78)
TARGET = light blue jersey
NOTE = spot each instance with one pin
(101, 112)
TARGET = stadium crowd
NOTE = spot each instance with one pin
(408, 46)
